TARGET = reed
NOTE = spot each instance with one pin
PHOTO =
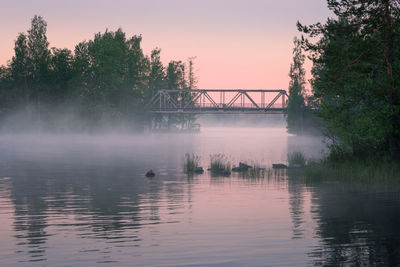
(191, 163)
(353, 171)
(297, 160)
(255, 172)
(219, 164)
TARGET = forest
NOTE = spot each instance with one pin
(104, 81)
(355, 79)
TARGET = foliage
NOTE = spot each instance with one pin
(355, 76)
(156, 78)
(296, 159)
(191, 163)
(300, 117)
(356, 171)
(219, 163)
(296, 105)
(177, 78)
(105, 79)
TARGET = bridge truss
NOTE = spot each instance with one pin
(217, 101)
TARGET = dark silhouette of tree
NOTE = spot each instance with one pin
(355, 76)
(19, 67)
(61, 74)
(192, 79)
(296, 105)
(106, 79)
(157, 73)
(38, 59)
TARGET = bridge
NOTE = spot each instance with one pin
(218, 101)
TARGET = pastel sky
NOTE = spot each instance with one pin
(237, 44)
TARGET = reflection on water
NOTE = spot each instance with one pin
(81, 200)
(358, 224)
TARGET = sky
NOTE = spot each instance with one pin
(244, 44)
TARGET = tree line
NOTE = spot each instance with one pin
(355, 88)
(106, 79)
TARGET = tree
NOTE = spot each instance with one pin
(176, 80)
(157, 73)
(80, 70)
(175, 77)
(192, 79)
(20, 67)
(7, 96)
(354, 79)
(61, 74)
(107, 78)
(296, 106)
(38, 58)
(113, 71)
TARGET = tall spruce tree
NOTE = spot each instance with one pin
(296, 107)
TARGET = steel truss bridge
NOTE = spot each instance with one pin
(217, 101)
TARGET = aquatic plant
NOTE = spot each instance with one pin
(219, 164)
(191, 163)
(353, 171)
(296, 160)
(255, 171)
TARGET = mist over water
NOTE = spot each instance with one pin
(83, 199)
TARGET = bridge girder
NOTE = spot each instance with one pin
(217, 101)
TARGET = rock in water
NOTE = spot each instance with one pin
(279, 166)
(244, 165)
(150, 173)
(237, 169)
(226, 173)
(198, 170)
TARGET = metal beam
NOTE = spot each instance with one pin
(252, 101)
(210, 98)
(233, 100)
(273, 101)
(193, 101)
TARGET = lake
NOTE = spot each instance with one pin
(78, 200)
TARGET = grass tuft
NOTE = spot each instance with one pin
(355, 171)
(297, 160)
(191, 163)
(219, 164)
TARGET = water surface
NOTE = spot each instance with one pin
(75, 200)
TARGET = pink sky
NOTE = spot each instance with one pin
(237, 44)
